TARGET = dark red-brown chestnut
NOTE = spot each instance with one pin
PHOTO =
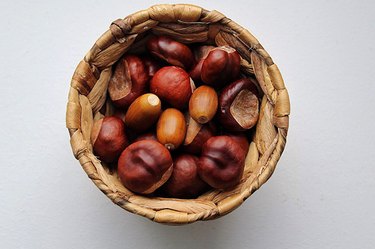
(108, 138)
(144, 166)
(128, 81)
(222, 162)
(185, 181)
(173, 85)
(221, 66)
(239, 105)
(173, 52)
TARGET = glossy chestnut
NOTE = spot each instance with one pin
(241, 139)
(171, 128)
(144, 166)
(173, 52)
(239, 105)
(143, 112)
(173, 85)
(221, 66)
(222, 162)
(203, 104)
(108, 138)
(185, 181)
(200, 53)
(128, 81)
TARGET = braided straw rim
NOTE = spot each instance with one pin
(185, 23)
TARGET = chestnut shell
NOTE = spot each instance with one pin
(226, 99)
(128, 81)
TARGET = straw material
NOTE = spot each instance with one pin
(189, 24)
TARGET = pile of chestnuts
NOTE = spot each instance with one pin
(183, 119)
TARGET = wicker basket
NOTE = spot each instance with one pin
(188, 24)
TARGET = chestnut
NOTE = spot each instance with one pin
(144, 166)
(239, 105)
(222, 162)
(171, 128)
(108, 138)
(128, 81)
(196, 72)
(146, 136)
(200, 54)
(185, 181)
(241, 139)
(151, 65)
(203, 104)
(173, 85)
(221, 66)
(143, 112)
(196, 135)
(175, 53)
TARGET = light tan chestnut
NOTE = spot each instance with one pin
(143, 112)
(171, 128)
(203, 104)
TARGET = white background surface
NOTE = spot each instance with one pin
(320, 196)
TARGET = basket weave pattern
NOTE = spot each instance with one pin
(188, 24)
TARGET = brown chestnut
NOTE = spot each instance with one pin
(151, 65)
(196, 135)
(222, 162)
(241, 140)
(144, 166)
(171, 128)
(196, 72)
(175, 53)
(185, 181)
(221, 66)
(146, 136)
(173, 85)
(203, 104)
(239, 105)
(108, 138)
(128, 81)
(143, 112)
(200, 54)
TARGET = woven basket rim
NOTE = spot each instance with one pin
(95, 69)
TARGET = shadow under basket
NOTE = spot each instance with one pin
(187, 24)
